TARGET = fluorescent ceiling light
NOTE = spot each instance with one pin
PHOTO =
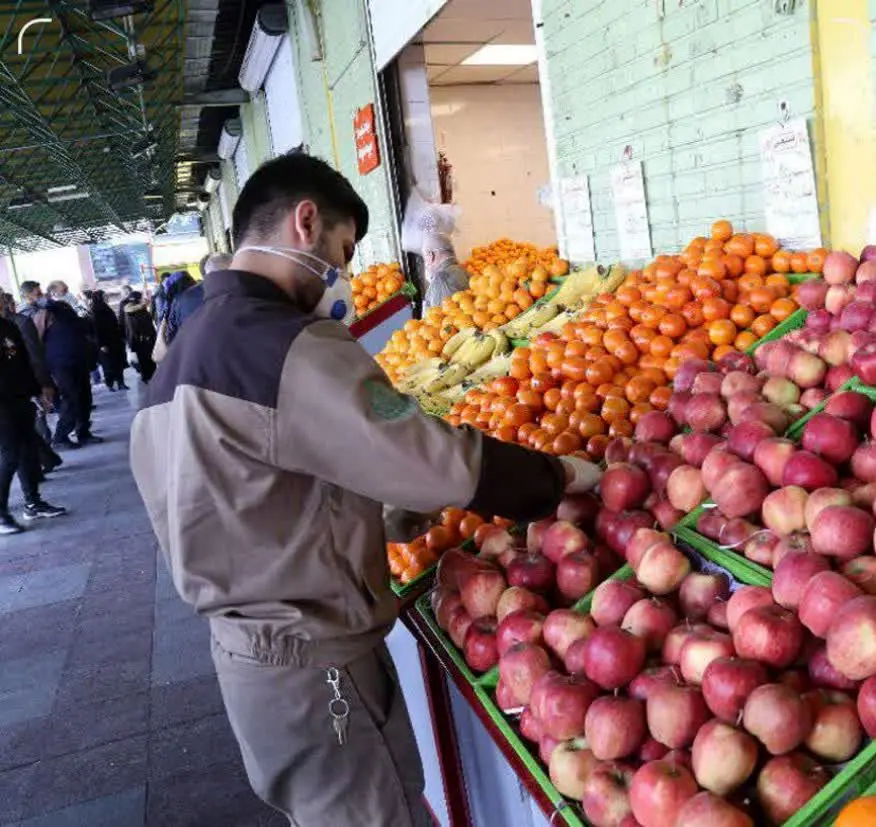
(69, 196)
(62, 188)
(270, 26)
(21, 202)
(500, 54)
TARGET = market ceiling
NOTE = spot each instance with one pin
(85, 153)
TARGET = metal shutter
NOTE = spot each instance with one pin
(284, 108)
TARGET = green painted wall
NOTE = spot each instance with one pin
(331, 91)
(688, 92)
(253, 116)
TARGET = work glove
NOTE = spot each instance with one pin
(581, 475)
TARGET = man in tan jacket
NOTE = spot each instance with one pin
(268, 445)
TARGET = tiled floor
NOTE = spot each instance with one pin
(110, 714)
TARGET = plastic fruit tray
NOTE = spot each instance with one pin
(403, 590)
(794, 322)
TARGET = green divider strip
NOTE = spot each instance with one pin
(424, 607)
(743, 570)
(794, 322)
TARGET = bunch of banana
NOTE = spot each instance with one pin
(419, 374)
(555, 325)
(580, 285)
(538, 315)
(433, 404)
(479, 348)
(456, 341)
(447, 377)
(497, 366)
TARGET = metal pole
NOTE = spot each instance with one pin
(14, 274)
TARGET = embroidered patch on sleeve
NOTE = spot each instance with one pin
(386, 403)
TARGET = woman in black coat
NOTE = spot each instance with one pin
(110, 342)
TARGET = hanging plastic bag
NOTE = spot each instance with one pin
(423, 219)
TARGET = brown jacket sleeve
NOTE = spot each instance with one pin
(339, 419)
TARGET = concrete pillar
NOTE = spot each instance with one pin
(86, 268)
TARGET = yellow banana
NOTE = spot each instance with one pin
(455, 342)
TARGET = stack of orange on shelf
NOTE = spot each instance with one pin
(504, 251)
(502, 289)
(615, 362)
(374, 286)
(409, 560)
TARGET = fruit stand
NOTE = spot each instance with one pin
(696, 642)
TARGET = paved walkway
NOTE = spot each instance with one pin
(110, 714)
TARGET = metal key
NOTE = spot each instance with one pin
(338, 708)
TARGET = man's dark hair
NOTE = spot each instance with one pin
(29, 286)
(279, 185)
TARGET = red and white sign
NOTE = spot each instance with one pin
(367, 152)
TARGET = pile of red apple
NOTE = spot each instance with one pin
(841, 324)
(681, 705)
(555, 565)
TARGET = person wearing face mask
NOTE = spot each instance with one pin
(267, 449)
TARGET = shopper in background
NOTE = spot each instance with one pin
(190, 300)
(110, 341)
(60, 292)
(18, 386)
(444, 276)
(138, 329)
(172, 288)
(69, 357)
(267, 444)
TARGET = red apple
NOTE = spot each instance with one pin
(778, 717)
(444, 602)
(743, 439)
(745, 598)
(605, 797)
(724, 757)
(617, 450)
(695, 447)
(675, 714)
(615, 727)
(522, 626)
(836, 733)
(783, 511)
(806, 370)
(611, 656)
(562, 538)
(717, 615)
(798, 543)
(864, 462)
(778, 358)
(771, 455)
(711, 523)
(738, 404)
(792, 574)
(835, 348)
(837, 376)
(660, 470)
(854, 407)
(577, 575)
(506, 702)
(708, 810)
(624, 486)
(530, 728)
(622, 528)
(766, 413)
(727, 683)
(560, 703)
(562, 627)
(453, 564)
(824, 676)
(864, 363)
(821, 499)
(516, 598)
(867, 706)
(648, 680)
(761, 548)
(662, 568)
(650, 619)
(810, 294)
(780, 391)
(481, 590)
(830, 437)
(666, 514)
(658, 792)
(535, 534)
(808, 471)
(685, 488)
(495, 544)
(612, 599)
(705, 412)
(578, 509)
(822, 598)
(741, 490)
(716, 464)
(678, 406)
(699, 592)
(707, 382)
(699, 650)
(739, 381)
(571, 762)
(480, 645)
(655, 426)
(546, 747)
(457, 625)
(652, 750)
(786, 783)
(687, 373)
(533, 571)
(851, 639)
(642, 540)
(862, 572)
(520, 667)
(678, 636)
(770, 634)
(737, 532)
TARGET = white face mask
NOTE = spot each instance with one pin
(337, 300)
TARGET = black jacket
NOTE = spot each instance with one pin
(17, 380)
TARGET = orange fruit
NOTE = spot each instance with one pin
(779, 284)
(621, 427)
(800, 263)
(782, 308)
(614, 409)
(722, 332)
(740, 245)
(741, 315)
(722, 230)
(815, 260)
(722, 350)
(693, 314)
(756, 264)
(761, 299)
(715, 308)
(744, 340)
(782, 261)
(660, 397)
(763, 325)
(861, 812)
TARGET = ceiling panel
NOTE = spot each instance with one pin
(517, 31)
(449, 54)
(487, 10)
(459, 75)
(435, 72)
(528, 74)
(462, 31)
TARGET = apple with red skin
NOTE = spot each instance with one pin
(609, 561)
(530, 728)
(864, 462)
(658, 791)
(744, 599)
(696, 447)
(687, 373)
(578, 509)
(741, 490)
(854, 407)
(562, 538)
(739, 403)
(652, 750)
(443, 604)
(778, 717)
(605, 798)
(650, 619)
(761, 549)
(685, 488)
(617, 450)
(480, 647)
(770, 634)
(807, 370)
(699, 650)
(655, 426)
(560, 703)
(708, 810)
(843, 532)
(533, 571)
(454, 566)
(739, 381)
(522, 626)
(766, 413)
(836, 732)
(612, 657)
(866, 705)
(705, 412)
(822, 598)
(717, 615)
(457, 625)
(648, 680)
(535, 534)
(851, 639)
(677, 408)
(624, 486)
(504, 700)
(780, 391)
(678, 636)
(743, 439)
(662, 568)
(675, 714)
(727, 683)
(792, 574)
(622, 528)
(520, 667)
(546, 747)
(496, 544)
(577, 575)
(798, 543)
(642, 540)
(571, 762)
(864, 363)
(830, 437)
(862, 572)
(786, 783)
(737, 532)
(824, 676)
(809, 471)
(612, 599)
(481, 590)
(699, 592)
(615, 727)
(716, 464)
(707, 382)
(771, 455)
(660, 470)
(821, 499)
(783, 510)
(711, 523)
(562, 627)
(723, 757)
(666, 514)
(517, 598)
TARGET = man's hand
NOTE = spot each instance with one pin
(581, 475)
(403, 526)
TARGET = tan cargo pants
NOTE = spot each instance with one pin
(280, 717)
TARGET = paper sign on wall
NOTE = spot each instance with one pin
(367, 153)
(790, 198)
(631, 211)
(576, 234)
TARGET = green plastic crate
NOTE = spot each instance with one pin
(403, 590)
(794, 322)
(796, 278)
(795, 430)
(424, 607)
(744, 569)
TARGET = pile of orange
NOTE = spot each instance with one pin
(505, 251)
(501, 290)
(375, 285)
(409, 560)
(615, 362)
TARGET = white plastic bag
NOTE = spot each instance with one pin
(423, 218)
